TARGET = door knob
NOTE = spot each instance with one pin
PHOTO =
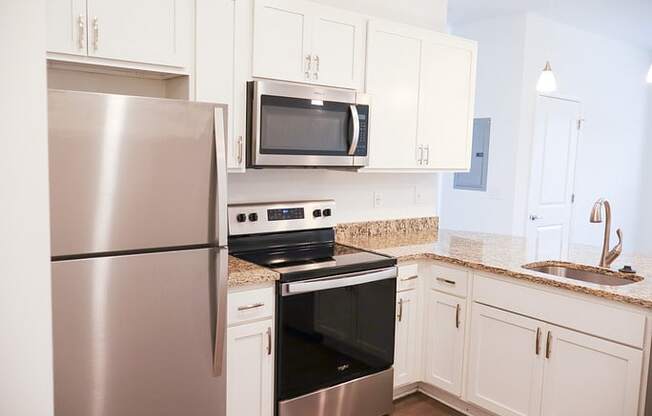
(534, 217)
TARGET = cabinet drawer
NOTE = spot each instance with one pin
(449, 280)
(250, 305)
(407, 277)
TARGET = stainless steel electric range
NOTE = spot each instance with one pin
(335, 309)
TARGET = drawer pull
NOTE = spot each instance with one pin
(252, 306)
(450, 282)
(405, 279)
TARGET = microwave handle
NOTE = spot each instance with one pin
(356, 129)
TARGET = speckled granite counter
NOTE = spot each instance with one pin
(498, 254)
(243, 273)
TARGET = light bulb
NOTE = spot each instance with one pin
(547, 82)
(649, 75)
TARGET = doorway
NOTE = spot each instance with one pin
(557, 124)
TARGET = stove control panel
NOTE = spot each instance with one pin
(280, 216)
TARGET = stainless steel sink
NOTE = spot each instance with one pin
(584, 273)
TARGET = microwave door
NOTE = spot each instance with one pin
(292, 130)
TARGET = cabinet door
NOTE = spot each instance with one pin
(446, 102)
(337, 48)
(445, 341)
(66, 26)
(393, 67)
(505, 368)
(405, 352)
(147, 31)
(282, 40)
(217, 75)
(585, 375)
(250, 365)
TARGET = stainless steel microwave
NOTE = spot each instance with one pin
(305, 126)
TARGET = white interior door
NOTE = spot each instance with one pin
(552, 178)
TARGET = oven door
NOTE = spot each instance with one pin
(334, 330)
(294, 125)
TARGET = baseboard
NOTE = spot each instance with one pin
(442, 396)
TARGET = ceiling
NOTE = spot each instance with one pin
(627, 20)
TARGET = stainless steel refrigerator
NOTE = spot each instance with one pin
(139, 257)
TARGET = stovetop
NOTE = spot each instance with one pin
(306, 255)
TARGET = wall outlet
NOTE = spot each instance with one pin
(378, 199)
(418, 196)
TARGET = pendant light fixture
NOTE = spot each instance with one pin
(547, 82)
(649, 75)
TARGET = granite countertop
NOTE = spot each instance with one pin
(499, 254)
(243, 273)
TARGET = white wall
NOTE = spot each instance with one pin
(430, 14)
(608, 77)
(353, 192)
(500, 69)
(645, 202)
(25, 309)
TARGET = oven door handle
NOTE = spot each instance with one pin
(356, 129)
(289, 289)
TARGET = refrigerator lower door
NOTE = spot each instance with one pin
(136, 335)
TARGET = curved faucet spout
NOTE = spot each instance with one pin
(608, 256)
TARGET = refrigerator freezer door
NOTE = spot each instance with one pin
(136, 335)
(131, 173)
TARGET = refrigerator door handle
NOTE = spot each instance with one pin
(220, 158)
(220, 321)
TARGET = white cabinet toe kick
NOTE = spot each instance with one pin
(492, 345)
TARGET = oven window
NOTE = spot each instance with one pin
(297, 126)
(332, 336)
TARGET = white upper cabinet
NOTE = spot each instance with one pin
(66, 26)
(157, 32)
(140, 31)
(422, 88)
(304, 42)
(446, 98)
(393, 67)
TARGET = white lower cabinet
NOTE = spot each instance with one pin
(585, 375)
(250, 353)
(505, 363)
(521, 366)
(445, 325)
(407, 331)
(250, 369)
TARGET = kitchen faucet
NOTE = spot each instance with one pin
(608, 256)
